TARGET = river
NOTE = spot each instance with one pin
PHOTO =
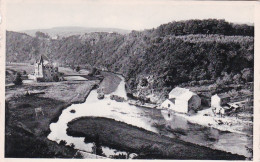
(150, 119)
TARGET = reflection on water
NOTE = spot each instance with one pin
(206, 136)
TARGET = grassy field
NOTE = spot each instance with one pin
(147, 144)
(57, 96)
(21, 143)
(12, 69)
(21, 68)
(26, 129)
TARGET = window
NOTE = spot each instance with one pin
(169, 105)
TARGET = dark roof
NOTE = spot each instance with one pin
(172, 100)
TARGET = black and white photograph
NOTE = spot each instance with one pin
(147, 79)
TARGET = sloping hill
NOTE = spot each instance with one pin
(167, 56)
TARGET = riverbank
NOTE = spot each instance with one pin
(206, 118)
(227, 123)
(150, 120)
(146, 144)
(21, 116)
(110, 82)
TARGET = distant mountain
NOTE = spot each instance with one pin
(73, 30)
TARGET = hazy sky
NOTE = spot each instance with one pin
(132, 15)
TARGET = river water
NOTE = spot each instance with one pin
(173, 126)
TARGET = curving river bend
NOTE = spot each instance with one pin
(141, 117)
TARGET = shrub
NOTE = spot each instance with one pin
(97, 147)
(72, 111)
(119, 156)
(94, 71)
(55, 78)
(247, 74)
(101, 96)
(18, 79)
(72, 145)
(227, 78)
(117, 98)
(62, 142)
(77, 69)
(237, 79)
(144, 82)
(192, 83)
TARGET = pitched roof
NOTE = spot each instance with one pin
(181, 93)
(43, 59)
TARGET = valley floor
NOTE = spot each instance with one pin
(24, 127)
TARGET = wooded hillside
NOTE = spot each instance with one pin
(161, 58)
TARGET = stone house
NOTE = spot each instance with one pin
(219, 100)
(182, 100)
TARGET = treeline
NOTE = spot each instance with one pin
(210, 26)
(163, 55)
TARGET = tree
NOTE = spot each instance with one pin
(39, 34)
(24, 72)
(247, 74)
(72, 145)
(227, 78)
(77, 69)
(97, 147)
(144, 82)
(237, 79)
(18, 79)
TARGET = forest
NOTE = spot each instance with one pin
(209, 51)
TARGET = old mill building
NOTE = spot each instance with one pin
(182, 100)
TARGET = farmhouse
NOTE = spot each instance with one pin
(44, 70)
(182, 100)
(219, 100)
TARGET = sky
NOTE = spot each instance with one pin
(130, 15)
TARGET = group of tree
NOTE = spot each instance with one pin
(210, 26)
(97, 147)
(173, 53)
(245, 76)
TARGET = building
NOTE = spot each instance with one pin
(182, 100)
(220, 104)
(219, 100)
(44, 70)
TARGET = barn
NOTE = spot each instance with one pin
(182, 100)
(219, 100)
